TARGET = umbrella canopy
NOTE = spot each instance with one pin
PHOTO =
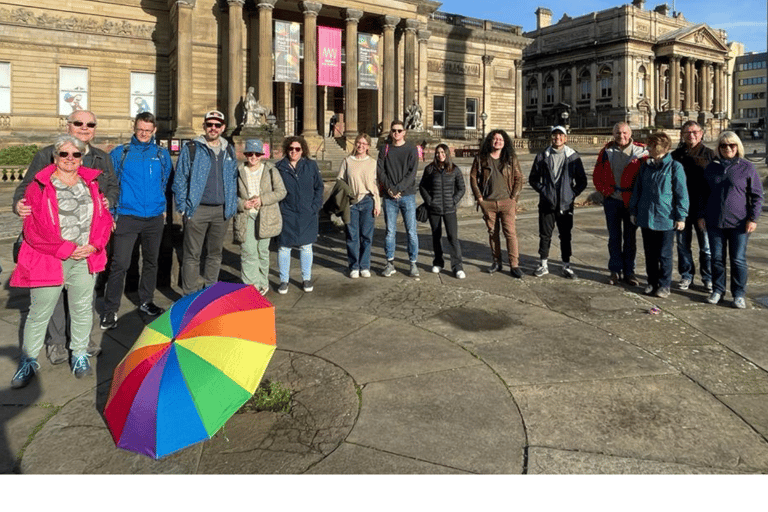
(191, 369)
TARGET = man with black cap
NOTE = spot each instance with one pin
(558, 176)
(205, 186)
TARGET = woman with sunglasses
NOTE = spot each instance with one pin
(442, 187)
(731, 201)
(64, 240)
(258, 219)
(358, 171)
(300, 209)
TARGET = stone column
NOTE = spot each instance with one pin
(409, 89)
(388, 94)
(706, 86)
(556, 85)
(422, 91)
(264, 72)
(235, 89)
(183, 98)
(689, 81)
(487, 80)
(593, 85)
(652, 87)
(574, 90)
(310, 11)
(674, 84)
(518, 99)
(717, 103)
(352, 17)
(539, 92)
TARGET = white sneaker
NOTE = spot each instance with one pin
(365, 273)
(354, 274)
(542, 270)
(460, 274)
(436, 269)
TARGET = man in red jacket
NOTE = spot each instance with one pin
(614, 176)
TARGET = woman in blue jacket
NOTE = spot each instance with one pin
(731, 201)
(659, 205)
(299, 208)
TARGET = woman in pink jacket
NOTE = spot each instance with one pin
(64, 241)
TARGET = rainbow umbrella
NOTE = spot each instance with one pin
(191, 369)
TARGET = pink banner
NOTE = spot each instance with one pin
(329, 56)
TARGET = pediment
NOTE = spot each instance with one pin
(701, 36)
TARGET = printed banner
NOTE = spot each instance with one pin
(329, 56)
(287, 46)
(367, 60)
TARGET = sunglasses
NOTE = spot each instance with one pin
(397, 130)
(294, 148)
(80, 123)
(252, 154)
(726, 146)
(65, 154)
(213, 125)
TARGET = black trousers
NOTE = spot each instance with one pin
(451, 231)
(129, 228)
(547, 222)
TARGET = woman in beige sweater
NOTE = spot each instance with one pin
(358, 170)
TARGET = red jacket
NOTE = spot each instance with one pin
(43, 249)
(603, 178)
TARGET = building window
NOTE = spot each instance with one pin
(549, 90)
(533, 92)
(641, 81)
(73, 90)
(471, 113)
(142, 93)
(752, 96)
(438, 112)
(5, 87)
(565, 87)
(585, 87)
(606, 83)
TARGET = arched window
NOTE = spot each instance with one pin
(585, 86)
(605, 77)
(565, 87)
(549, 90)
(642, 81)
(533, 92)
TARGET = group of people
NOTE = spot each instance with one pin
(84, 210)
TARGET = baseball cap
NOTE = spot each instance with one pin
(559, 128)
(215, 114)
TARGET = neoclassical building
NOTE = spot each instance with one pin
(181, 58)
(646, 67)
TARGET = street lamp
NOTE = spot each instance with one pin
(483, 118)
(271, 125)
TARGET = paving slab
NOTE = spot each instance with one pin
(407, 351)
(753, 408)
(18, 423)
(312, 329)
(475, 427)
(352, 459)
(660, 418)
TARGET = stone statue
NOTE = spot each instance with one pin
(413, 117)
(254, 111)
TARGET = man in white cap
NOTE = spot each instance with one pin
(558, 176)
(205, 186)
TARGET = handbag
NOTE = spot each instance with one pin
(17, 247)
(422, 214)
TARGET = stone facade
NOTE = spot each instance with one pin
(616, 65)
(197, 55)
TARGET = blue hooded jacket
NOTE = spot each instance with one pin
(142, 170)
(191, 177)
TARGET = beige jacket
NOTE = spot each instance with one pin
(270, 221)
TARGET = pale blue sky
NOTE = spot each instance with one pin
(744, 20)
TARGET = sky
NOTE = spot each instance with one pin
(744, 20)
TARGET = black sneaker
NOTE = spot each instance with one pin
(108, 321)
(308, 286)
(27, 368)
(516, 272)
(496, 267)
(57, 353)
(149, 308)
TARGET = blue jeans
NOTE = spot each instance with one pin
(284, 262)
(658, 256)
(407, 206)
(735, 240)
(622, 242)
(685, 264)
(360, 234)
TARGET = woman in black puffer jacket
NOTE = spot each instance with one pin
(442, 187)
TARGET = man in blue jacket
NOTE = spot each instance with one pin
(558, 176)
(205, 186)
(142, 168)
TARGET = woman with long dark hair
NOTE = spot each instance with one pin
(496, 183)
(442, 187)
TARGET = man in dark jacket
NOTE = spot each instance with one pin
(142, 168)
(558, 176)
(81, 124)
(694, 156)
